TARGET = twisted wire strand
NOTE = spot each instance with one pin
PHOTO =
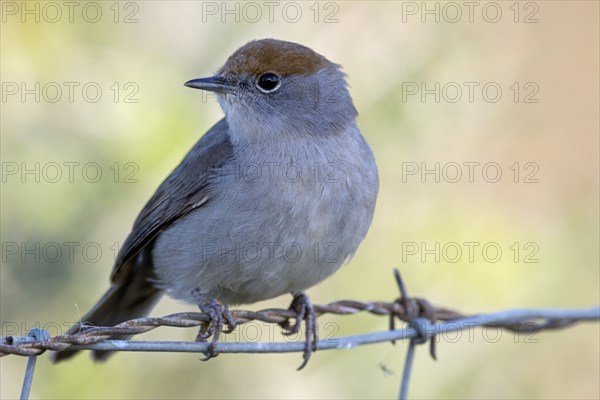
(524, 321)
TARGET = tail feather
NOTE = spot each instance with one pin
(131, 298)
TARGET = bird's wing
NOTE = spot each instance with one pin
(183, 190)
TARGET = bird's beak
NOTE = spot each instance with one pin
(213, 84)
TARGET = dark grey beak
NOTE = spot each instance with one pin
(213, 84)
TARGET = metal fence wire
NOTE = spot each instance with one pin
(423, 322)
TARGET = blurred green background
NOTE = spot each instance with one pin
(386, 49)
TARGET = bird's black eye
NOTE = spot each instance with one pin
(268, 82)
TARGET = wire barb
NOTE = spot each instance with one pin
(414, 309)
(35, 334)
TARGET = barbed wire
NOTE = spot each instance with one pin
(91, 337)
(424, 322)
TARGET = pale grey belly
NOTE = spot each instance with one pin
(255, 247)
(255, 240)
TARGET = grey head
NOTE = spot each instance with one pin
(274, 90)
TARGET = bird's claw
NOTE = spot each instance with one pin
(219, 317)
(305, 311)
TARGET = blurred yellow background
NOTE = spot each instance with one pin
(111, 100)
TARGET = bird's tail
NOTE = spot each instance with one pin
(133, 297)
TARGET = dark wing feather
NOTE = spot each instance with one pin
(183, 190)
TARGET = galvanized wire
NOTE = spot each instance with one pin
(92, 338)
(425, 322)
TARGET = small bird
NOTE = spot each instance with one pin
(273, 199)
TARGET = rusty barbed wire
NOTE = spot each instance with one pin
(26, 346)
(424, 323)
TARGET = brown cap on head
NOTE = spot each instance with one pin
(270, 55)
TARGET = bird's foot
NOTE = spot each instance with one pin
(304, 310)
(219, 316)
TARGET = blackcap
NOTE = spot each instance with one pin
(273, 199)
